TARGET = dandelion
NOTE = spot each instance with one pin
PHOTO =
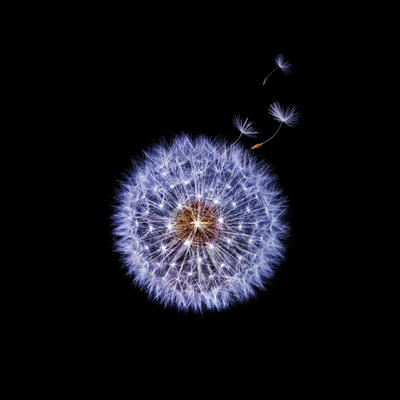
(200, 224)
(285, 66)
(289, 117)
(200, 241)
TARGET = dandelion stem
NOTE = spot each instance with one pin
(224, 153)
(265, 80)
(241, 133)
(273, 134)
(260, 144)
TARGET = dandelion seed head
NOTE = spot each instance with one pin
(203, 250)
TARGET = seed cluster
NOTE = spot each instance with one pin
(197, 223)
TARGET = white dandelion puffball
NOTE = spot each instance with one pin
(200, 224)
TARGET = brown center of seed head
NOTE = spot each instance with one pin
(197, 223)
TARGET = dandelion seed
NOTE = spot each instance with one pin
(244, 127)
(289, 117)
(285, 66)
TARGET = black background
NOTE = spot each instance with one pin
(123, 87)
(93, 87)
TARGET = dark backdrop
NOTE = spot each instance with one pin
(125, 88)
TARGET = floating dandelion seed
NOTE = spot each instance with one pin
(289, 117)
(244, 127)
(200, 241)
(285, 66)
